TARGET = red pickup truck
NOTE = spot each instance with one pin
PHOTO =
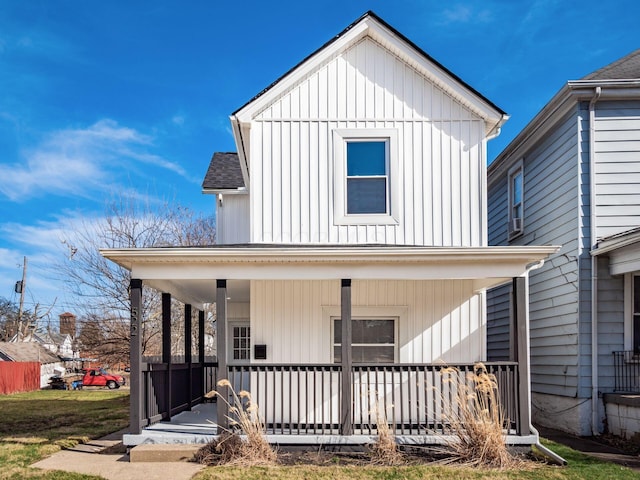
(99, 377)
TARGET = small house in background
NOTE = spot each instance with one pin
(50, 364)
(572, 178)
(353, 258)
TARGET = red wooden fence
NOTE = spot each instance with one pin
(19, 377)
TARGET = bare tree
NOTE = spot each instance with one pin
(100, 287)
(12, 324)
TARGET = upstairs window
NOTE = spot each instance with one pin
(516, 200)
(365, 177)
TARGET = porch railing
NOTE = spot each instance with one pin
(414, 399)
(305, 399)
(626, 371)
(186, 384)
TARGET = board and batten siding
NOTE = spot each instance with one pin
(617, 168)
(551, 214)
(233, 219)
(438, 320)
(441, 155)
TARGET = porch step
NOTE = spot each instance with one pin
(99, 446)
(154, 452)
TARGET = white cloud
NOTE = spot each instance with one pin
(75, 162)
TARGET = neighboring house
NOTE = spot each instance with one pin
(57, 343)
(50, 364)
(358, 193)
(572, 177)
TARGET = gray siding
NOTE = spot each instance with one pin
(551, 203)
(610, 322)
(617, 170)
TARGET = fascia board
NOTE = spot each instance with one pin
(533, 132)
(249, 112)
(437, 75)
(241, 148)
(399, 47)
(562, 102)
(310, 263)
(616, 244)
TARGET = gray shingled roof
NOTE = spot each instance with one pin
(224, 172)
(625, 68)
(27, 352)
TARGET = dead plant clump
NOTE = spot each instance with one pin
(477, 420)
(385, 450)
(246, 444)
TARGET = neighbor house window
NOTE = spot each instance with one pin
(365, 180)
(635, 314)
(372, 340)
(516, 200)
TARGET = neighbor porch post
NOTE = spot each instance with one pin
(135, 358)
(221, 352)
(188, 344)
(520, 350)
(345, 316)
(166, 349)
(201, 352)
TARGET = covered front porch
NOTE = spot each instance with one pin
(336, 400)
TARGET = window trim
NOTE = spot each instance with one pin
(514, 171)
(629, 280)
(230, 347)
(394, 319)
(399, 313)
(340, 138)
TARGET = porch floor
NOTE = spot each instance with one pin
(199, 426)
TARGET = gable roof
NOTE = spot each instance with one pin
(627, 67)
(418, 50)
(372, 26)
(615, 81)
(224, 173)
(26, 352)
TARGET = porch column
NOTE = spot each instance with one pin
(135, 357)
(166, 349)
(188, 343)
(201, 391)
(345, 316)
(221, 351)
(519, 350)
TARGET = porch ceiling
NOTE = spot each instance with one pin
(190, 273)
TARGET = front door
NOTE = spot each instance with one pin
(239, 353)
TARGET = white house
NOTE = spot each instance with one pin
(572, 178)
(358, 193)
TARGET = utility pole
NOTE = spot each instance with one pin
(23, 285)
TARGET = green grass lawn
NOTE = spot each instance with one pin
(37, 424)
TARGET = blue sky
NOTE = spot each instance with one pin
(103, 98)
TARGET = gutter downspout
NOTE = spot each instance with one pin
(551, 456)
(595, 430)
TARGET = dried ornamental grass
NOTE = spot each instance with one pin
(245, 419)
(476, 419)
(385, 450)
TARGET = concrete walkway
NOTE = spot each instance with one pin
(117, 467)
(88, 459)
(593, 448)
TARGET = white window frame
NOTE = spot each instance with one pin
(628, 309)
(395, 321)
(230, 338)
(340, 139)
(516, 225)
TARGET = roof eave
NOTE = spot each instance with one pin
(372, 25)
(572, 92)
